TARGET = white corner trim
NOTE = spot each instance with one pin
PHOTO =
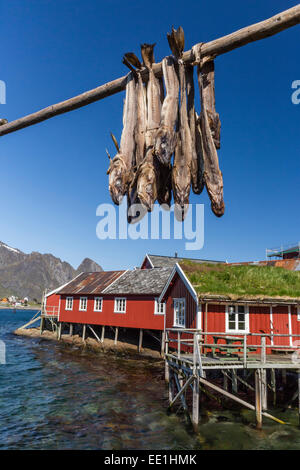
(147, 257)
(112, 283)
(63, 285)
(185, 280)
(167, 284)
(290, 324)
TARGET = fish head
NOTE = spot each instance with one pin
(146, 187)
(181, 184)
(165, 143)
(117, 179)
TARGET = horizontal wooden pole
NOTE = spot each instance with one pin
(255, 32)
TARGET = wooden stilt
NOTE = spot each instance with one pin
(273, 385)
(83, 332)
(298, 377)
(258, 400)
(140, 340)
(170, 376)
(42, 325)
(102, 333)
(116, 334)
(264, 386)
(59, 331)
(195, 415)
(167, 368)
(162, 351)
(225, 381)
(234, 381)
(71, 329)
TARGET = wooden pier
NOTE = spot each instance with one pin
(192, 363)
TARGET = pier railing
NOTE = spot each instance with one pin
(190, 340)
(51, 311)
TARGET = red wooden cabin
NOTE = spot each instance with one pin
(220, 314)
(114, 298)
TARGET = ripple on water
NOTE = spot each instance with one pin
(55, 398)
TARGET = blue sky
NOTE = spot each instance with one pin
(53, 175)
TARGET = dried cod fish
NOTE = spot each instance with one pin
(197, 165)
(208, 90)
(165, 139)
(184, 152)
(120, 169)
(212, 175)
(147, 175)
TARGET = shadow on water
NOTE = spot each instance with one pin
(57, 397)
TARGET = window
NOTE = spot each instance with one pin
(159, 307)
(120, 305)
(98, 304)
(83, 303)
(179, 312)
(69, 303)
(298, 313)
(237, 318)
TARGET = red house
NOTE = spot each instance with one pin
(127, 299)
(215, 313)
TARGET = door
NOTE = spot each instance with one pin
(280, 320)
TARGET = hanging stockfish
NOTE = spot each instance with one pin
(121, 166)
(197, 165)
(208, 86)
(135, 211)
(165, 139)
(148, 177)
(212, 175)
(184, 152)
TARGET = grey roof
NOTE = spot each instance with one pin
(164, 261)
(140, 281)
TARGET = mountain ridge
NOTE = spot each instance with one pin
(28, 275)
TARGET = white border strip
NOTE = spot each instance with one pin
(118, 278)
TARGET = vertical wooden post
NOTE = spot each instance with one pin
(162, 350)
(116, 334)
(71, 329)
(42, 325)
(167, 368)
(195, 415)
(258, 403)
(245, 351)
(102, 333)
(59, 331)
(140, 340)
(298, 376)
(264, 387)
(178, 344)
(170, 375)
(263, 349)
(234, 381)
(273, 385)
(225, 382)
(83, 332)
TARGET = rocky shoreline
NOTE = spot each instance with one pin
(121, 348)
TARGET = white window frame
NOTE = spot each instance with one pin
(69, 299)
(175, 302)
(80, 306)
(96, 299)
(237, 330)
(298, 312)
(117, 307)
(158, 306)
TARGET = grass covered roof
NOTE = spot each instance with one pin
(242, 281)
